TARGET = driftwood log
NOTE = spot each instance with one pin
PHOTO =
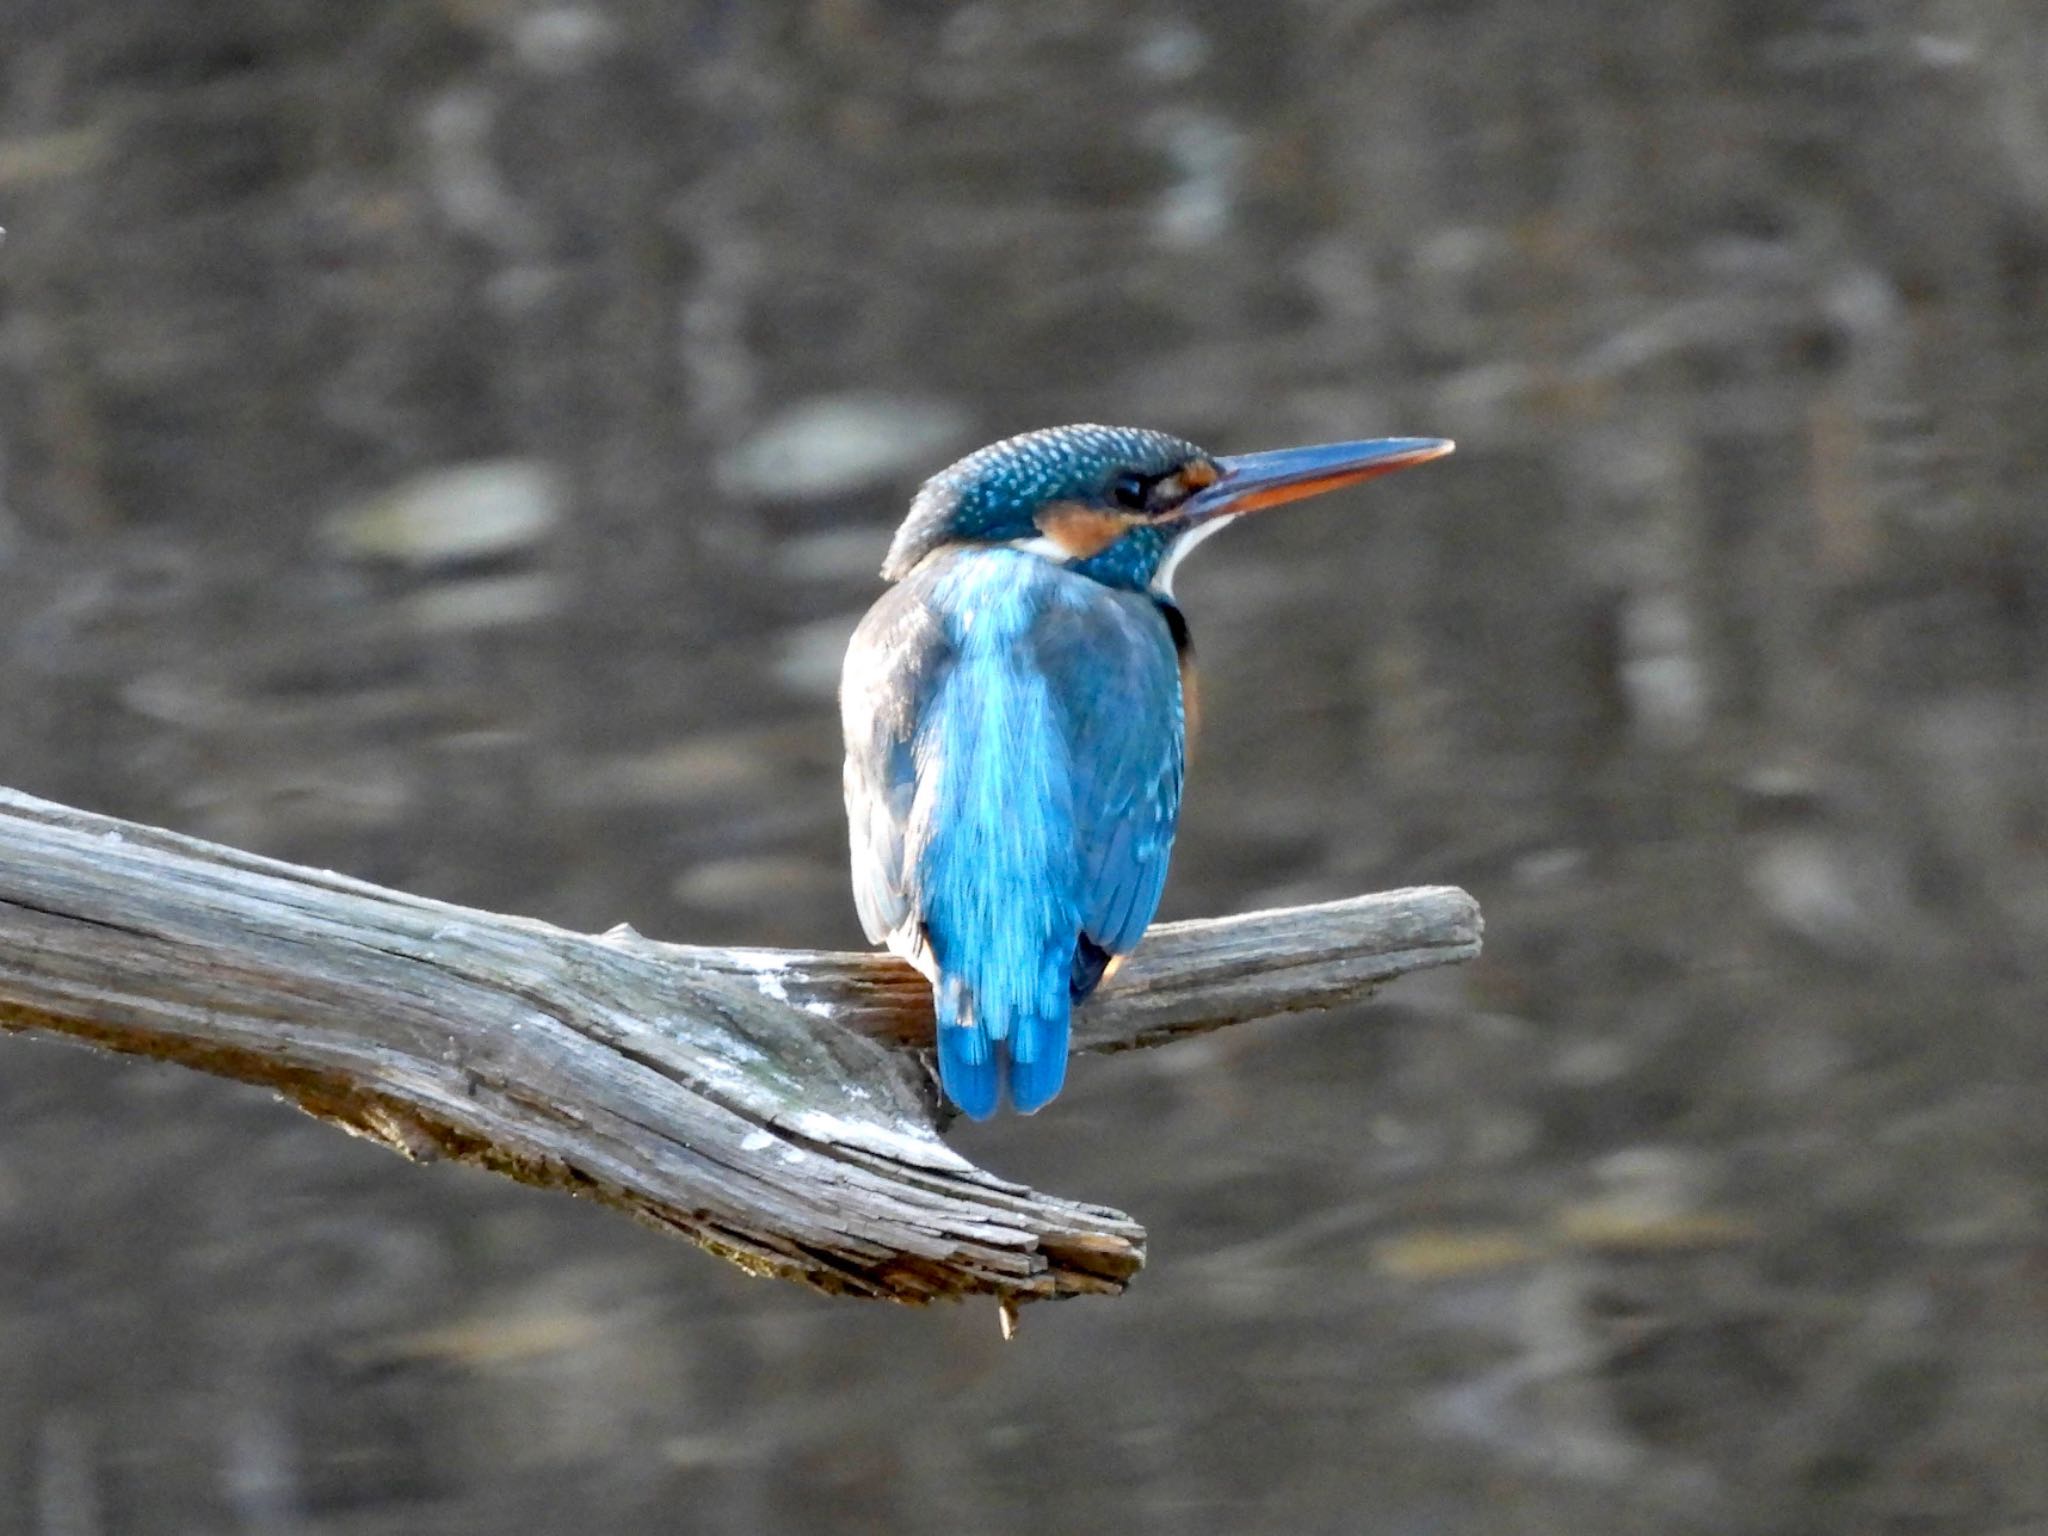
(772, 1105)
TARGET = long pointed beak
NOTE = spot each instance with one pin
(1251, 482)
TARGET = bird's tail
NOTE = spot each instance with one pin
(969, 1068)
(977, 1053)
(1038, 1057)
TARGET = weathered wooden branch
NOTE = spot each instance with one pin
(770, 1104)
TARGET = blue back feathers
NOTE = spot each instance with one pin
(993, 841)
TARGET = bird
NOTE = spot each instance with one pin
(1017, 706)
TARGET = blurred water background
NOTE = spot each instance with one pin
(450, 442)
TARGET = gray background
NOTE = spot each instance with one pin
(449, 442)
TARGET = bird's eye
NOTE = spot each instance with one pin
(1130, 489)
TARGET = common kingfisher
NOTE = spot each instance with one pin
(1016, 709)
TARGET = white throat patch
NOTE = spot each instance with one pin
(1182, 547)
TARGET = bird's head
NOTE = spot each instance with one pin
(1123, 504)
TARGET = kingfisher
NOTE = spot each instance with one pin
(1017, 708)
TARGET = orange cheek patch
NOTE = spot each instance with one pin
(1083, 532)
